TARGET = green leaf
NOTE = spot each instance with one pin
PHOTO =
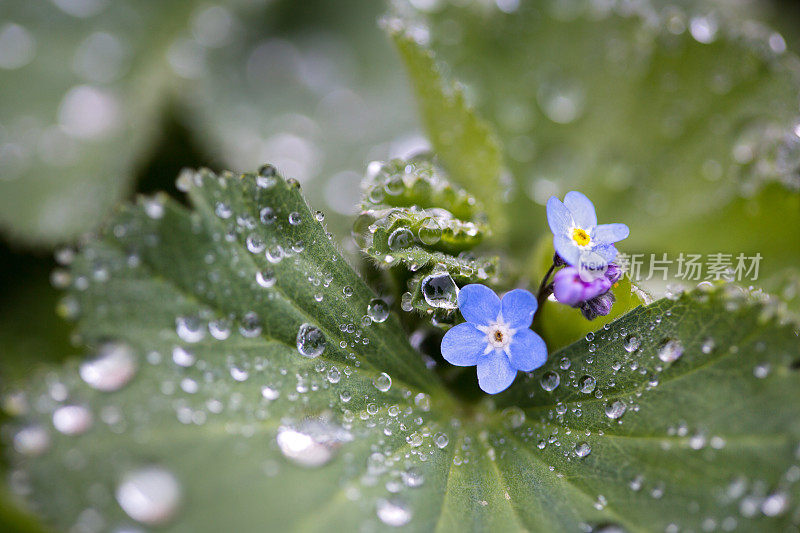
(417, 222)
(84, 105)
(226, 425)
(469, 149)
(80, 106)
(667, 117)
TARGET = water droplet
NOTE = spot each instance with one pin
(582, 449)
(17, 46)
(269, 393)
(430, 231)
(513, 417)
(266, 278)
(439, 290)
(383, 382)
(32, 440)
(703, 29)
(312, 444)
(441, 439)
(150, 495)
(588, 384)
(220, 329)
(393, 512)
(412, 478)
(295, 219)
(550, 380)
(223, 210)
(775, 504)
(112, 368)
(708, 346)
(254, 244)
(400, 238)
(615, 409)
(189, 329)
(562, 102)
(310, 341)
(632, 344)
(182, 357)
(378, 310)
(334, 375)
(250, 326)
(670, 350)
(153, 208)
(415, 439)
(267, 215)
(72, 419)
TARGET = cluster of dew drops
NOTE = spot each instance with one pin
(152, 494)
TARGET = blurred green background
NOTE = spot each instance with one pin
(100, 101)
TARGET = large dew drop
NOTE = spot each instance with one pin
(150, 495)
(615, 409)
(311, 444)
(670, 350)
(400, 238)
(378, 310)
(439, 290)
(114, 366)
(550, 381)
(32, 440)
(310, 341)
(383, 382)
(393, 513)
(72, 419)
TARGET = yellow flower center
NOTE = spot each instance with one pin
(580, 237)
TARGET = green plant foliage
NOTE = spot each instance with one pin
(673, 117)
(414, 220)
(87, 86)
(248, 379)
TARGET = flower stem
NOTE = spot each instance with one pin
(544, 289)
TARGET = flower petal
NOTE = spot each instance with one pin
(518, 307)
(607, 251)
(566, 249)
(570, 289)
(558, 216)
(495, 373)
(581, 208)
(478, 304)
(463, 344)
(610, 233)
(527, 351)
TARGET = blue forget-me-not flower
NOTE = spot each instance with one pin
(496, 336)
(578, 239)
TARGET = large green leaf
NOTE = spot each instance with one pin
(682, 414)
(667, 116)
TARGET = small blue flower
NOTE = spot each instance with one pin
(577, 237)
(495, 337)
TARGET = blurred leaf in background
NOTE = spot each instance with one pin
(313, 87)
(670, 117)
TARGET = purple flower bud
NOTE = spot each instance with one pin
(570, 289)
(598, 306)
(613, 273)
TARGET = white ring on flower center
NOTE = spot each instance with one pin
(498, 335)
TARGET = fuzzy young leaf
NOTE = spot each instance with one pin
(416, 221)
